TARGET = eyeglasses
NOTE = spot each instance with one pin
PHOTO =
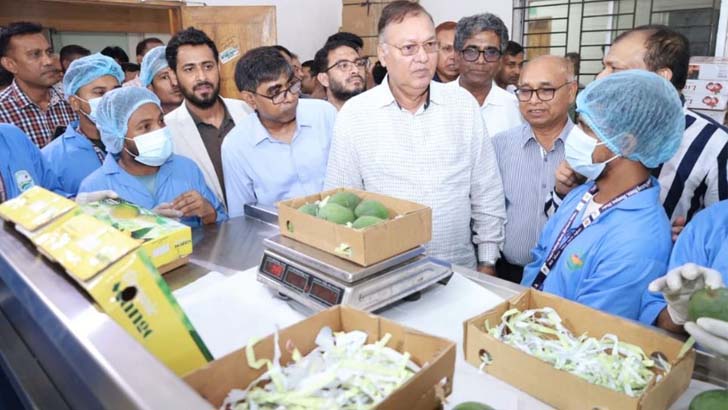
(543, 94)
(280, 96)
(348, 65)
(490, 54)
(411, 49)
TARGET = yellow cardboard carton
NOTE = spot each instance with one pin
(35, 208)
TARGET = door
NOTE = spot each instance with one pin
(235, 30)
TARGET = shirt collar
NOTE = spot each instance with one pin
(260, 133)
(384, 97)
(496, 96)
(22, 99)
(111, 165)
(226, 115)
(528, 136)
(650, 197)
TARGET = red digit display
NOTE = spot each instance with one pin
(295, 280)
(274, 268)
(325, 294)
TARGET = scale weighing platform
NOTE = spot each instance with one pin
(318, 280)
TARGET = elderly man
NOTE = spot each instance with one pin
(479, 43)
(511, 66)
(529, 154)
(419, 140)
(341, 70)
(447, 67)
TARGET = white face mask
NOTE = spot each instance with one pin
(154, 147)
(578, 150)
(93, 104)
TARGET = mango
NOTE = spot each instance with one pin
(124, 211)
(311, 209)
(710, 400)
(336, 213)
(709, 303)
(366, 221)
(371, 208)
(472, 405)
(346, 199)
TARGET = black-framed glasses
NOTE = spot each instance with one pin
(411, 49)
(543, 94)
(472, 54)
(280, 96)
(348, 65)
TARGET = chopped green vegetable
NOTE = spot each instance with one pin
(342, 372)
(605, 362)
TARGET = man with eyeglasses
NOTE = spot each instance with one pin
(447, 67)
(281, 151)
(419, 140)
(341, 70)
(529, 154)
(479, 43)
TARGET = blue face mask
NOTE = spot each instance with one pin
(578, 150)
(154, 147)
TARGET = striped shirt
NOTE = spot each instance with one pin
(696, 176)
(440, 157)
(18, 109)
(527, 170)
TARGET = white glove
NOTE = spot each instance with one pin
(87, 197)
(711, 334)
(166, 210)
(680, 283)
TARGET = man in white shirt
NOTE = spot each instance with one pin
(480, 41)
(419, 140)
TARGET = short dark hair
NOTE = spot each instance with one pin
(130, 67)
(513, 49)
(285, 51)
(19, 28)
(117, 53)
(6, 77)
(379, 72)
(260, 65)
(188, 37)
(142, 45)
(73, 50)
(665, 48)
(321, 60)
(346, 36)
(307, 64)
(396, 11)
(446, 25)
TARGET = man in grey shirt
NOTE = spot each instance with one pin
(529, 154)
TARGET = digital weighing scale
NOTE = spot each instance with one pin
(318, 280)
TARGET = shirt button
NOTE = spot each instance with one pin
(543, 185)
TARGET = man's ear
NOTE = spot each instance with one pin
(75, 103)
(665, 73)
(9, 64)
(247, 96)
(323, 78)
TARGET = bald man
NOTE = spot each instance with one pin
(529, 154)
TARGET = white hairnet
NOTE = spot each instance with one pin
(152, 63)
(87, 69)
(636, 113)
(114, 110)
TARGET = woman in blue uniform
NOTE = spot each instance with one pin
(610, 238)
(140, 166)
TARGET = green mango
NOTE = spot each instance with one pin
(124, 211)
(710, 400)
(336, 213)
(371, 208)
(346, 199)
(366, 221)
(472, 405)
(709, 303)
(311, 209)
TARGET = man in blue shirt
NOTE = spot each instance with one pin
(699, 259)
(282, 150)
(140, 166)
(79, 151)
(610, 238)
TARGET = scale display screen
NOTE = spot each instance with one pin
(296, 278)
(325, 294)
(273, 267)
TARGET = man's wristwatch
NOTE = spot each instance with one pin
(488, 262)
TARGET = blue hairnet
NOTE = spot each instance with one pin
(87, 69)
(114, 110)
(153, 62)
(636, 113)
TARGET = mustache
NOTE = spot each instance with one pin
(208, 84)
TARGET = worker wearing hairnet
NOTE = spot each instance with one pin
(610, 238)
(80, 151)
(140, 166)
(699, 260)
(160, 79)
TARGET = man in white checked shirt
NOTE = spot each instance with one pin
(419, 140)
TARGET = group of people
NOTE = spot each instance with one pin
(605, 209)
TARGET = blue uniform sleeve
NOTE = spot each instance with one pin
(46, 178)
(239, 188)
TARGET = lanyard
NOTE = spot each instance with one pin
(565, 238)
(100, 154)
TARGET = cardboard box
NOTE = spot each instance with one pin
(707, 102)
(411, 227)
(167, 242)
(120, 277)
(708, 68)
(36, 208)
(539, 378)
(435, 355)
(706, 87)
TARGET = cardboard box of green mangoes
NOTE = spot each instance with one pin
(359, 226)
(167, 242)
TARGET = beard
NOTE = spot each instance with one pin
(339, 91)
(205, 102)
